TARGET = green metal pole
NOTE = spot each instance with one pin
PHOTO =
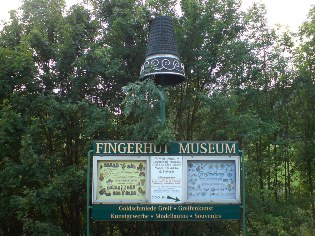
(162, 105)
(243, 195)
(88, 192)
(165, 229)
(165, 226)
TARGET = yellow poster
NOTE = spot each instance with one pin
(119, 180)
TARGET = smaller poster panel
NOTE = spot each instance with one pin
(166, 179)
(120, 180)
(215, 180)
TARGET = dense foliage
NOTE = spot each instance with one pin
(68, 77)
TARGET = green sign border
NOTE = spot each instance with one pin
(164, 212)
(183, 148)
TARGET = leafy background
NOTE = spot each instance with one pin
(70, 77)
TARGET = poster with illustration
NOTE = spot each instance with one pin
(211, 179)
(121, 180)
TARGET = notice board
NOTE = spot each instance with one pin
(182, 181)
(166, 179)
(179, 173)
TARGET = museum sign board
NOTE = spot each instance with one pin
(179, 181)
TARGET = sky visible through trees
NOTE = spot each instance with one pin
(291, 13)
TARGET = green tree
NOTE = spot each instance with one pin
(50, 77)
(305, 99)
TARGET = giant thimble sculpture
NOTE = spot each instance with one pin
(162, 61)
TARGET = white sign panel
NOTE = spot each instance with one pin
(166, 179)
